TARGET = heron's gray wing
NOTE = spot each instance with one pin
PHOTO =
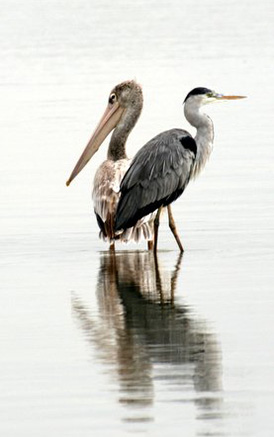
(158, 175)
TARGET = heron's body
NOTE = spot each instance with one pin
(161, 170)
(158, 175)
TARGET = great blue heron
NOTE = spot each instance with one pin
(123, 110)
(162, 168)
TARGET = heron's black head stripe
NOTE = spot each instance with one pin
(197, 91)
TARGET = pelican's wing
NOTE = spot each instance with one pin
(158, 175)
(106, 194)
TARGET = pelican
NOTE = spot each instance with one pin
(162, 168)
(124, 107)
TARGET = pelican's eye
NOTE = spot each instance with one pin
(112, 98)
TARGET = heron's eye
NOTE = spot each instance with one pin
(210, 94)
(112, 98)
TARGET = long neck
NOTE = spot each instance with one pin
(117, 145)
(204, 135)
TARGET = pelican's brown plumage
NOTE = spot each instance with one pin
(123, 110)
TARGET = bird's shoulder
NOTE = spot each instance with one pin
(109, 174)
(167, 152)
(106, 186)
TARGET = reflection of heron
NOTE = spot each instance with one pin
(140, 327)
(161, 170)
(124, 107)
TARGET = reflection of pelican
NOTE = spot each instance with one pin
(141, 331)
(124, 107)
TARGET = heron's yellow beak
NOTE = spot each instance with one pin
(221, 97)
(109, 120)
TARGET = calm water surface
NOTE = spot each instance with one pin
(104, 345)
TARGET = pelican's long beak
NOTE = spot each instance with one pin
(221, 97)
(110, 119)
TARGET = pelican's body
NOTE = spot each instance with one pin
(124, 108)
(105, 196)
(161, 170)
(105, 193)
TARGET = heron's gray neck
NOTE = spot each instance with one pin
(204, 136)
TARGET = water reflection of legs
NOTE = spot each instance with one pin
(147, 337)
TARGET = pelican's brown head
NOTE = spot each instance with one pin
(124, 107)
(128, 94)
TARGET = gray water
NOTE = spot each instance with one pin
(103, 345)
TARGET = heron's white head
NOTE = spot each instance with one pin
(199, 97)
(202, 96)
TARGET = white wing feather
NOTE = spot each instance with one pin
(105, 196)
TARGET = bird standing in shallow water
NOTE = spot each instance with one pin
(123, 110)
(162, 168)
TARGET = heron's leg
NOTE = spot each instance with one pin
(156, 227)
(173, 229)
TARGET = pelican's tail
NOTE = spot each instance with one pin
(143, 230)
(137, 233)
